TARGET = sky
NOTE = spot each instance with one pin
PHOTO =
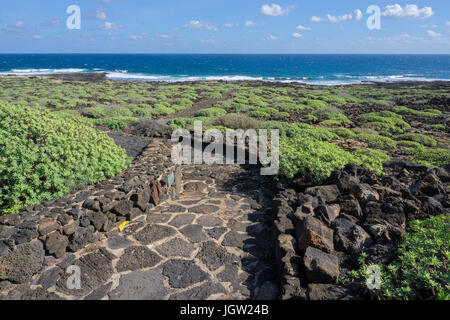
(225, 26)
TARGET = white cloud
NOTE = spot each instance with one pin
(137, 37)
(433, 34)
(410, 11)
(300, 27)
(357, 15)
(447, 24)
(101, 14)
(275, 10)
(316, 19)
(403, 37)
(231, 24)
(37, 36)
(208, 40)
(429, 26)
(53, 23)
(17, 27)
(196, 24)
(249, 24)
(162, 35)
(270, 37)
(110, 26)
(297, 35)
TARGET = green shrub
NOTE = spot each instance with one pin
(316, 104)
(428, 113)
(43, 156)
(383, 127)
(440, 127)
(236, 121)
(187, 123)
(115, 123)
(409, 144)
(372, 159)
(162, 109)
(305, 150)
(420, 272)
(103, 112)
(211, 112)
(385, 117)
(418, 137)
(332, 115)
(259, 114)
(343, 132)
(431, 157)
(310, 158)
(377, 141)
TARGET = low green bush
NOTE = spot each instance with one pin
(428, 113)
(377, 141)
(418, 137)
(439, 127)
(44, 155)
(343, 132)
(372, 159)
(162, 109)
(236, 121)
(211, 112)
(385, 117)
(383, 127)
(115, 123)
(409, 144)
(420, 271)
(310, 158)
(431, 157)
(329, 116)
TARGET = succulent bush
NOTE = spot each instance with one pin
(44, 155)
(377, 141)
(420, 270)
(419, 138)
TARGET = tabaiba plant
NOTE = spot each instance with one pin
(420, 271)
(43, 155)
(419, 138)
(306, 151)
(377, 141)
(427, 113)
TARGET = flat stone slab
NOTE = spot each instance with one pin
(202, 292)
(209, 221)
(213, 256)
(154, 232)
(204, 209)
(235, 239)
(183, 273)
(118, 242)
(194, 233)
(182, 220)
(176, 248)
(137, 257)
(140, 285)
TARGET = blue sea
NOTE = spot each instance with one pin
(304, 68)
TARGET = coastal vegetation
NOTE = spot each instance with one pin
(322, 128)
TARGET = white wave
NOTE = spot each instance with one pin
(123, 75)
(33, 72)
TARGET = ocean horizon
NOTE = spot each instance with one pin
(321, 69)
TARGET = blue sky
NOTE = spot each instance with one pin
(224, 26)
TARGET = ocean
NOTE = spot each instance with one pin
(320, 69)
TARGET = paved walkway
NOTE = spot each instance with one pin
(211, 243)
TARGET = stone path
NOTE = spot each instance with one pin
(211, 243)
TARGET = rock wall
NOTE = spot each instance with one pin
(320, 232)
(69, 224)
